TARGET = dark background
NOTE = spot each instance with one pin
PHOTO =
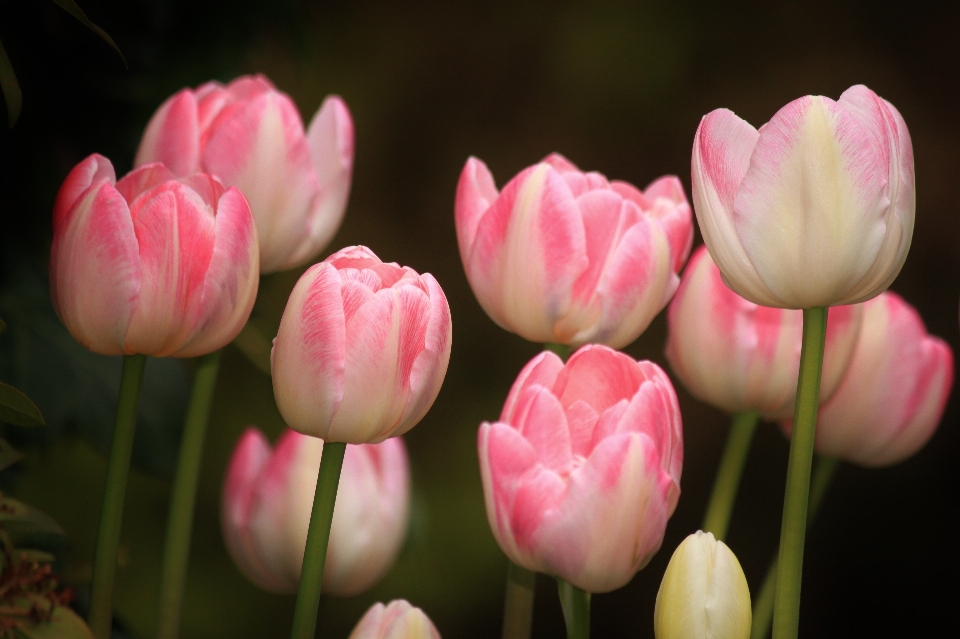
(617, 87)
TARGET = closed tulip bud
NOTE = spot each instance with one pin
(893, 394)
(250, 135)
(738, 356)
(398, 620)
(582, 471)
(267, 501)
(152, 264)
(563, 256)
(704, 594)
(814, 209)
(362, 349)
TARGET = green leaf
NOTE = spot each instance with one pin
(73, 9)
(19, 518)
(10, 87)
(65, 624)
(8, 455)
(16, 408)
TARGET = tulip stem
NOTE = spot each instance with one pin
(176, 552)
(786, 611)
(315, 555)
(763, 609)
(518, 607)
(111, 515)
(561, 350)
(576, 610)
(727, 482)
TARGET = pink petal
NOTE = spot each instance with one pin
(95, 271)
(581, 419)
(598, 375)
(90, 171)
(542, 370)
(231, 282)
(143, 179)
(309, 353)
(560, 163)
(544, 425)
(172, 135)
(676, 217)
(476, 191)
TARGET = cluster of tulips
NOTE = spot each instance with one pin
(581, 472)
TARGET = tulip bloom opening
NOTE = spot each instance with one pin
(582, 471)
(816, 208)
(562, 256)
(362, 349)
(398, 620)
(267, 500)
(152, 264)
(250, 135)
(704, 593)
(738, 356)
(893, 394)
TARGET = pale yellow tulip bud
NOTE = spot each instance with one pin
(703, 593)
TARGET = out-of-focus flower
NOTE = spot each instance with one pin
(398, 620)
(814, 209)
(152, 264)
(582, 471)
(737, 356)
(562, 256)
(250, 135)
(268, 498)
(893, 394)
(362, 349)
(704, 594)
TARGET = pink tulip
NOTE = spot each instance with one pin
(816, 208)
(399, 620)
(562, 256)
(251, 136)
(152, 264)
(893, 394)
(582, 471)
(738, 356)
(362, 349)
(268, 498)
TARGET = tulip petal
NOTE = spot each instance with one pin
(721, 156)
(95, 271)
(93, 169)
(231, 282)
(811, 208)
(542, 370)
(671, 208)
(598, 376)
(544, 425)
(476, 192)
(310, 346)
(172, 135)
(142, 179)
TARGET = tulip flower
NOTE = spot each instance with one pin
(704, 594)
(267, 500)
(562, 256)
(816, 208)
(250, 135)
(738, 356)
(362, 349)
(893, 394)
(152, 264)
(398, 620)
(582, 471)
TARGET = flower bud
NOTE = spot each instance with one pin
(704, 594)
(362, 349)
(398, 620)
(816, 208)
(268, 499)
(582, 471)
(567, 257)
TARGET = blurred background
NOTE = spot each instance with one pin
(617, 87)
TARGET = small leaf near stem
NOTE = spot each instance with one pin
(786, 612)
(725, 486)
(71, 7)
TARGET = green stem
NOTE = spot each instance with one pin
(176, 552)
(518, 608)
(763, 609)
(576, 610)
(111, 515)
(717, 518)
(315, 554)
(786, 611)
(561, 350)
